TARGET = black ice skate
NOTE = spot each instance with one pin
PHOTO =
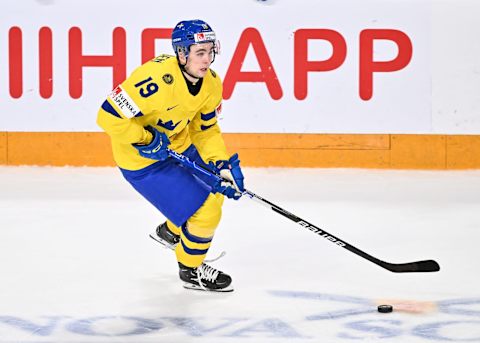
(164, 236)
(205, 278)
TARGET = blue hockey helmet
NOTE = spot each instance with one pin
(189, 32)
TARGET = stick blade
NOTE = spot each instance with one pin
(426, 266)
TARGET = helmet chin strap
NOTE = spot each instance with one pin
(183, 69)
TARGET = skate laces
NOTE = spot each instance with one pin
(205, 272)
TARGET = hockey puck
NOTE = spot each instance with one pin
(385, 308)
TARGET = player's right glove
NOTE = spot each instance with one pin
(157, 149)
(231, 172)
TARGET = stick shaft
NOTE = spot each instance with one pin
(417, 266)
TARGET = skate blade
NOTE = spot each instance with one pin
(187, 285)
(162, 242)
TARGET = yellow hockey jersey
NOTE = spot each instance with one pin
(156, 94)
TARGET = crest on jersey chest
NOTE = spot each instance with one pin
(169, 125)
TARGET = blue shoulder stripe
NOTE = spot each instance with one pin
(208, 116)
(107, 107)
(205, 127)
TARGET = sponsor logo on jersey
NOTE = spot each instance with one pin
(161, 58)
(168, 79)
(218, 110)
(124, 103)
(204, 36)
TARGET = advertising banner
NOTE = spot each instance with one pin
(287, 66)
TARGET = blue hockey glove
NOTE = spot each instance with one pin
(157, 149)
(231, 172)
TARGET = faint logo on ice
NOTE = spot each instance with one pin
(302, 316)
(463, 326)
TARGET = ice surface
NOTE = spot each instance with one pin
(77, 265)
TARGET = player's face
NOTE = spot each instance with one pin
(199, 59)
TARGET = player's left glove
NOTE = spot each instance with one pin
(157, 149)
(229, 170)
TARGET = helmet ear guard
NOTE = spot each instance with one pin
(181, 50)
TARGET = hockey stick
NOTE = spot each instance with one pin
(418, 266)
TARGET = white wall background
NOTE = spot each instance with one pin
(456, 66)
(438, 92)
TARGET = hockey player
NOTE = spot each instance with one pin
(172, 102)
